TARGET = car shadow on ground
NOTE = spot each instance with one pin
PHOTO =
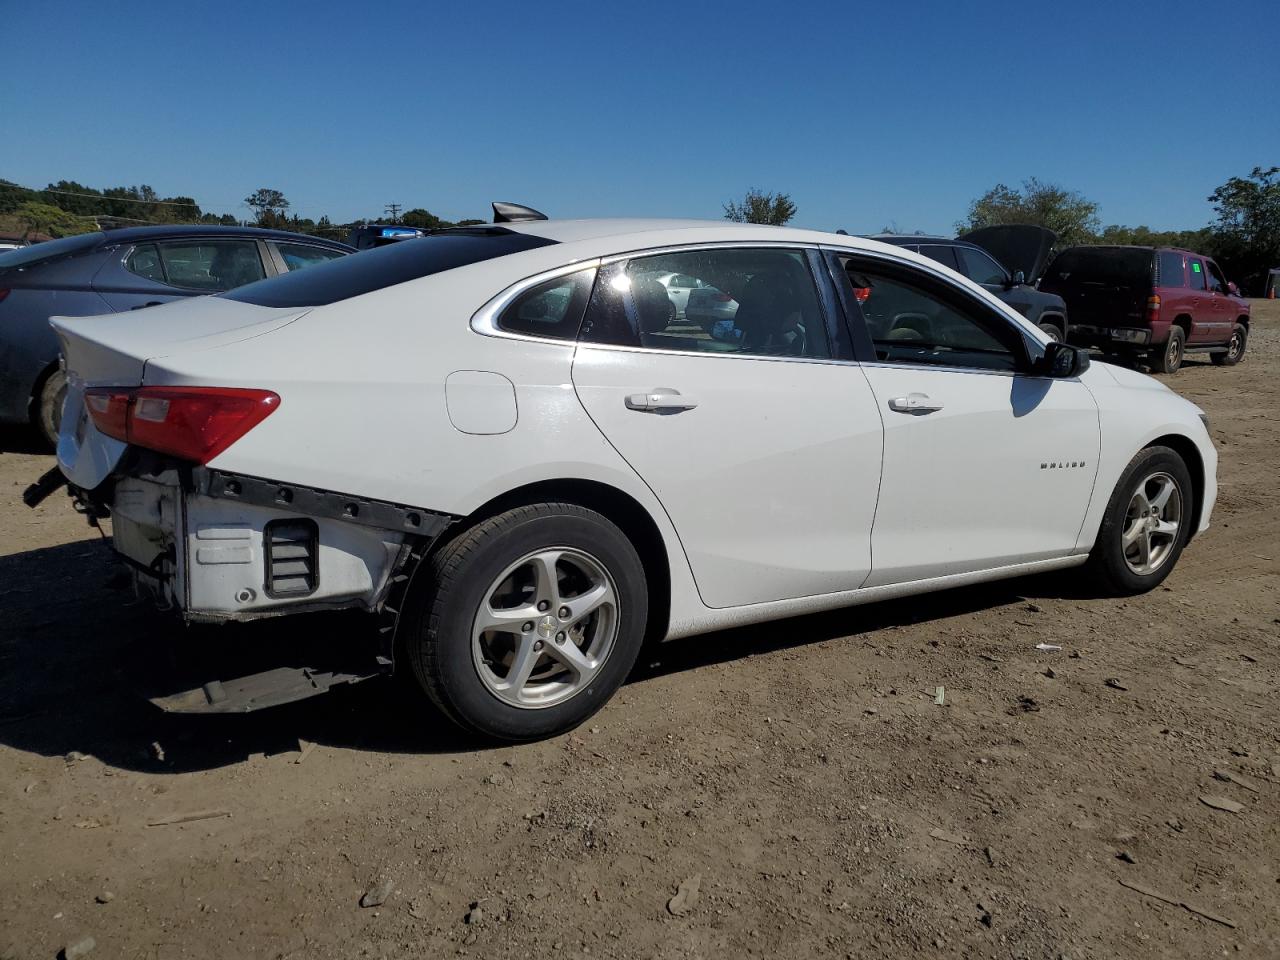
(80, 656)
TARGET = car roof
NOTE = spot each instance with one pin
(625, 234)
(170, 231)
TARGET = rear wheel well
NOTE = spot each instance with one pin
(622, 509)
(1184, 321)
(1190, 455)
(1053, 320)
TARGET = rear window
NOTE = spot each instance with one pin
(385, 267)
(39, 252)
(1114, 266)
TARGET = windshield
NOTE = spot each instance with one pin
(1119, 266)
(384, 267)
(39, 252)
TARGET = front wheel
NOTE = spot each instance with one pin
(528, 622)
(1053, 332)
(1235, 347)
(1147, 523)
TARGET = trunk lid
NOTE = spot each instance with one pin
(114, 349)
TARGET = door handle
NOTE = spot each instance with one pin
(660, 401)
(914, 403)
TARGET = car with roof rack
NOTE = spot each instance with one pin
(501, 444)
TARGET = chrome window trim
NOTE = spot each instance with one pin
(485, 320)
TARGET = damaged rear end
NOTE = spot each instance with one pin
(212, 545)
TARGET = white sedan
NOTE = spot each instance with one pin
(496, 439)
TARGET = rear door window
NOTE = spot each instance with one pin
(296, 256)
(757, 302)
(979, 267)
(1173, 271)
(1196, 274)
(945, 255)
(211, 265)
(145, 262)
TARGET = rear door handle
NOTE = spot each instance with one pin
(914, 403)
(660, 401)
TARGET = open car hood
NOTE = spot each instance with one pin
(1019, 246)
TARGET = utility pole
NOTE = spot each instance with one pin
(393, 211)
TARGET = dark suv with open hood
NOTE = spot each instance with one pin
(1156, 303)
(1007, 260)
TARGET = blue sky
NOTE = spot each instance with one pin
(867, 114)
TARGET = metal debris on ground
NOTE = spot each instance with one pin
(1048, 646)
(188, 817)
(686, 897)
(1115, 684)
(377, 892)
(1222, 803)
(1165, 898)
(939, 695)
(1226, 776)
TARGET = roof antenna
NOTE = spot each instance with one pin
(514, 213)
(843, 232)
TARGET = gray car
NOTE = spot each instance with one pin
(114, 271)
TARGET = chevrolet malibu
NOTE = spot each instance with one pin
(499, 441)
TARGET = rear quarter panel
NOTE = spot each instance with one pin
(363, 408)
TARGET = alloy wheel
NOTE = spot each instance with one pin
(545, 627)
(1235, 347)
(1152, 524)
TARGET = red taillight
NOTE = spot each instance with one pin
(192, 423)
(1153, 308)
(4, 292)
(862, 294)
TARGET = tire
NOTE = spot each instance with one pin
(491, 571)
(1169, 360)
(1235, 347)
(1112, 562)
(1055, 334)
(48, 411)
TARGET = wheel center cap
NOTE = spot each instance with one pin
(547, 627)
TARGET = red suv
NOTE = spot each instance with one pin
(1156, 302)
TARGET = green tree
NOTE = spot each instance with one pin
(1066, 212)
(45, 218)
(423, 219)
(757, 206)
(1248, 227)
(268, 206)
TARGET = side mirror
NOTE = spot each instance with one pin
(1019, 278)
(1232, 288)
(1062, 361)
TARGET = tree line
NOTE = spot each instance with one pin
(1244, 238)
(66, 208)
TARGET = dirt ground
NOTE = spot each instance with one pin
(801, 772)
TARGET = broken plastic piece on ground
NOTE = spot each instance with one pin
(1048, 646)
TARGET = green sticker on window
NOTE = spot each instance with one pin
(1195, 267)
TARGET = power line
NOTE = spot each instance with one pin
(100, 196)
(393, 211)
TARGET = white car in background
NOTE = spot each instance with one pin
(496, 439)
